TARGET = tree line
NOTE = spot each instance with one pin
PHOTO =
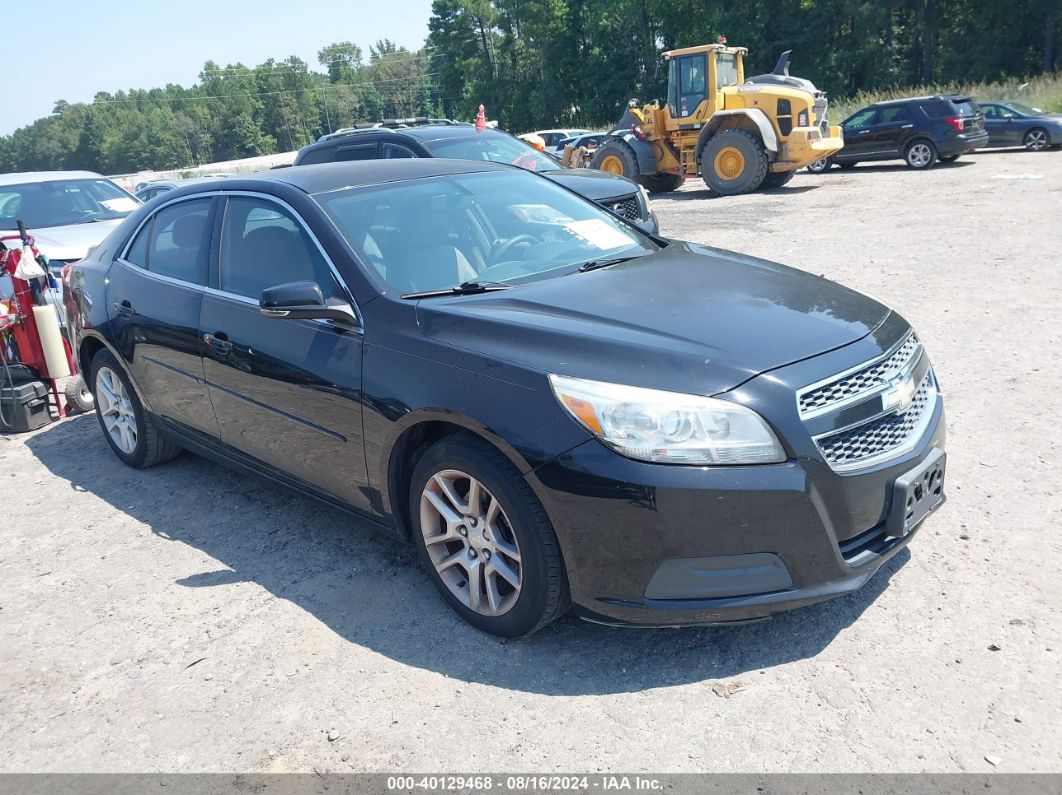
(535, 63)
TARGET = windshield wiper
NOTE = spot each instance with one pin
(594, 264)
(465, 288)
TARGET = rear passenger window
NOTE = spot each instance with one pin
(936, 109)
(363, 152)
(896, 115)
(391, 151)
(262, 245)
(175, 242)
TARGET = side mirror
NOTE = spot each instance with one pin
(303, 300)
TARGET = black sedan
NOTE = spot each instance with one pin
(554, 407)
(1016, 124)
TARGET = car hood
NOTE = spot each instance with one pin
(72, 242)
(594, 185)
(688, 319)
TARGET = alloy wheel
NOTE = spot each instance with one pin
(919, 155)
(470, 542)
(1036, 140)
(818, 166)
(116, 410)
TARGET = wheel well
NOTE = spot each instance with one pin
(920, 139)
(90, 346)
(720, 123)
(407, 450)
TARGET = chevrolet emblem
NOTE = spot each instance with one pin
(900, 394)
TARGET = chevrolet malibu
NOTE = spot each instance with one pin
(556, 409)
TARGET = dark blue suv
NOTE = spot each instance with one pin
(918, 130)
(403, 138)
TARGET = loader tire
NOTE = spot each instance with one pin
(776, 179)
(734, 162)
(661, 183)
(615, 157)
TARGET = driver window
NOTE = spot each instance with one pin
(990, 111)
(262, 245)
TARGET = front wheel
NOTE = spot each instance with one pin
(485, 538)
(921, 155)
(734, 162)
(820, 166)
(661, 183)
(1036, 139)
(615, 157)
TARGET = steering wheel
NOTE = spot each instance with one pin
(504, 248)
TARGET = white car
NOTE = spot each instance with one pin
(555, 136)
(66, 212)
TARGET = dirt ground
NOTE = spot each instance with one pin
(185, 618)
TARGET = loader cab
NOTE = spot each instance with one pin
(695, 77)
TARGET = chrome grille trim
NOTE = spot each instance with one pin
(860, 382)
(626, 208)
(883, 437)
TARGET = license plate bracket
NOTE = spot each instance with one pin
(916, 494)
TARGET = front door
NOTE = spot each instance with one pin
(1002, 127)
(285, 392)
(154, 298)
(856, 135)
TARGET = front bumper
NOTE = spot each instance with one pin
(760, 539)
(804, 145)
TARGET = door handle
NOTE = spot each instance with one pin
(124, 309)
(908, 126)
(219, 341)
(863, 132)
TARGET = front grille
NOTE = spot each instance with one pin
(881, 436)
(862, 382)
(626, 208)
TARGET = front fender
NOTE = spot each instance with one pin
(725, 117)
(643, 150)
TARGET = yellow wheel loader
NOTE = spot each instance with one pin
(739, 135)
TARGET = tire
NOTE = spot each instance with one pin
(742, 157)
(821, 166)
(1036, 139)
(920, 154)
(948, 158)
(78, 396)
(615, 157)
(520, 524)
(776, 179)
(661, 183)
(148, 447)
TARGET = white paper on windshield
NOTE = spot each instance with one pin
(598, 234)
(122, 204)
(539, 214)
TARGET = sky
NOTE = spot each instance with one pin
(70, 49)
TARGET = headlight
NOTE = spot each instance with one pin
(668, 427)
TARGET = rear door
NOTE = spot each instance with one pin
(286, 392)
(892, 128)
(154, 297)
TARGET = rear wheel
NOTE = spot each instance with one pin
(920, 155)
(485, 539)
(1036, 139)
(820, 166)
(131, 433)
(661, 183)
(734, 162)
(615, 157)
(776, 179)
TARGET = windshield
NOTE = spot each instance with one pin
(1026, 109)
(63, 202)
(494, 147)
(496, 226)
(725, 70)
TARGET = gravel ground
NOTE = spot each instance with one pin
(185, 618)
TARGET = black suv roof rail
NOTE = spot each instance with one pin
(389, 124)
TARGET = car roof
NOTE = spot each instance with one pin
(325, 177)
(944, 97)
(22, 177)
